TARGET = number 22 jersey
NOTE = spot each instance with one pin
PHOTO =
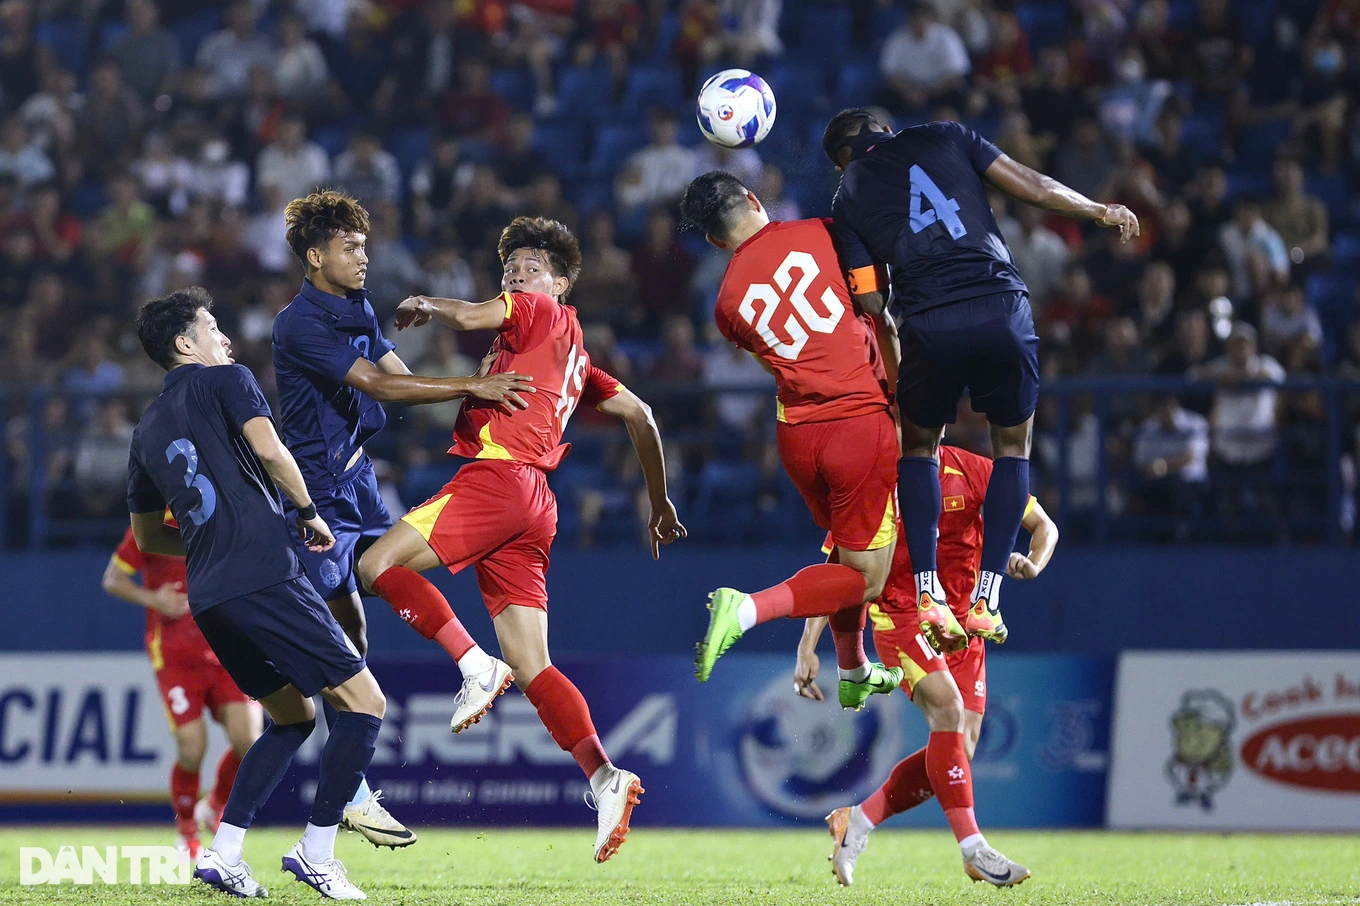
(784, 299)
(541, 338)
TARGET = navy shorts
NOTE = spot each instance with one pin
(357, 515)
(986, 346)
(279, 635)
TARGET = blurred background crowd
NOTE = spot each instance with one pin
(147, 145)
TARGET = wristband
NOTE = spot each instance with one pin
(307, 513)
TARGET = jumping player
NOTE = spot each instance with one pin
(950, 690)
(206, 448)
(334, 370)
(191, 679)
(917, 200)
(498, 515)
(783, 298)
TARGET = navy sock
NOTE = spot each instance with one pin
(330, 711)
(1004, 508)
(918, 491)
(343, 762)
(262, 768)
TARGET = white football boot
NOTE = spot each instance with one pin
(614, 799)
(328, 878)
(477, 694)
(236, 880)
(368, 817)
(986, 864)
(850, 841)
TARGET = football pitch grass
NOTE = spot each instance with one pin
(902, 868)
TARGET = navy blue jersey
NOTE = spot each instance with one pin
(918, 202)
(317, 339)
(188, 452)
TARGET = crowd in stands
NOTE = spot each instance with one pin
(147, 145)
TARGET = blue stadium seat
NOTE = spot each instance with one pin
(192, 29)
(803, 85)
(410, 147)
(1261, 141)
(1182, 13)
(857, 85)
(516, 86)
(666, 33)
(1346, 252)
(110, 32)
(591, 196)
(1202, 135)
(651, 86)
(1248, 184)
(724, 505)
(1333, 192)
(585, 92)
(333, 138)
(825, 33)
(563, 144)
(1046, 22)
(66, 42)
(613, 143)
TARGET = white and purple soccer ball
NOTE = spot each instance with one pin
(736, 108)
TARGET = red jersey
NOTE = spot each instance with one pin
(541, 338)
(178, 642)
(804, 327)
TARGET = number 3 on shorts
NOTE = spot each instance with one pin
(942, 210)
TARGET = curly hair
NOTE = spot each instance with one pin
(320, 217)
(162, 320)
(563, 251)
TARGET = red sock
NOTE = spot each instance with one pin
(814, 591)
(418, 602)
(952, 780)
(226, 776)
(906, 787)
(847, 631)
(183, 798)
(564, 712)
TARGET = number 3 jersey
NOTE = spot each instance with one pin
(541, 338)
(783, 298)
(917, 201)
(188, 453)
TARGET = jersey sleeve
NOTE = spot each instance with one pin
(312, 346)
(724, 323)
(528, 318)
(143, 495)
(128, 557)
(600, 386)
(241, 396)
(980, 152)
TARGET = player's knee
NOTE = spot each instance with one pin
(873, 587)
(370, 567)
(942, 705)
(190, 756)
(970, 741)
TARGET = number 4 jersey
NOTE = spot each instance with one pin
(188, 452)
(784, 299)
(540, 338)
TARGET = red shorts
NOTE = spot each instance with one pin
(187, 688)
(846, 470)
(500, 518)
(899, 643)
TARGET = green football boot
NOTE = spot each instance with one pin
(881, 680)
(723, 630)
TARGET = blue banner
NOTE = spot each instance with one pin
(741, 750)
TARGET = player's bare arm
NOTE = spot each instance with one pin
(664, 526)
(403, 387)
(167, 600)
(154, 536)
(279, 463)
(415, 311)
(392, 364)
(807, 665)
(1043, 541)
(1032, 187)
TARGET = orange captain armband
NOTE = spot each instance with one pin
(871, 279)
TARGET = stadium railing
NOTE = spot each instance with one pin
(1303, 492)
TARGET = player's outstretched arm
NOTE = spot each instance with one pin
(1043, 541)
(166, 600)
(279, 463)
(417, 310)
(387, 385)
(1032, 187)
(154, 536)
(806, 668)
(664, 525)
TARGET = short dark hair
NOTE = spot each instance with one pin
(711, 200)
(844, 126)
(320, 217)
(162, 320)
(550, 236)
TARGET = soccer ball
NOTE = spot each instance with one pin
(736, 108)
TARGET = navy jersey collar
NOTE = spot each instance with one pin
(336, 305)
(180, 372)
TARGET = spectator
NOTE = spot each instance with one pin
(679, 361)
(1078, 311)
(20, 157)
(1007, 62)
(218, 178)
(1299, 218)
(1257, 258)
(1288, 322)
(778, 205)
(1157, 39)
(360, 67)
(1171, 454)
(543, 197)
(435, 181)
(1051, 99)
(227, 56)
(609, 30)
(446, 275)
(166, 177)
(18, 55)
(1156, 308)
(1218, 54)
(147, 54)
(518, 162)
(743, 163)
(368, 172)
(1039, 254)
(1349, 366)
(662, 268)
(393, 271)
(101, 459)
(753, 29)
(293, 164)
(18, 266)
(56, 232)
(474, 110)
(1177, 244)
(1016, 140)
(1122, 352)
(50, 114)
(300, 70)
(1129, 109)
(480, 210)
(606, 290)
(731, 368)
(230, 266)
(923, 61)
(267, 234)
(92, 371)
(1208, 196)
(1243, 417)
(127, 227)
(699, 40)
(658, 173)
(1165, 151)
(110, 121)
(1086, 162)
(1322, 96)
